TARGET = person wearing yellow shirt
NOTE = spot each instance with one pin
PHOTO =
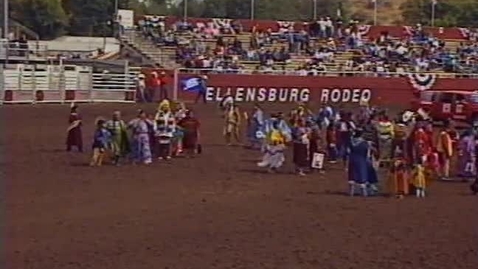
(445, 151)
(274, 156)
(385, 130)
(418, 179)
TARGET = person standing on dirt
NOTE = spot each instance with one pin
(201, 93)
(190, 126)
(75, 136)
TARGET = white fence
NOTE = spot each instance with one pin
(65, 83)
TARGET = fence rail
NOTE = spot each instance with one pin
(66, 83)
(305, 73)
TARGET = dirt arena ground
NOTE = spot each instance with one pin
(215, 211)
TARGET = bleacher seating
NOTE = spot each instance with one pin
(306, 51)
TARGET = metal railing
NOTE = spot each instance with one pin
(323, 74)
(22, 50)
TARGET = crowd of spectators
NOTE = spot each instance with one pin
(210, 46)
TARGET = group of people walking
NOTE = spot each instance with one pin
(364, 141)
(170, 132)
(406, 146)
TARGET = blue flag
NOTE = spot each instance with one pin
(192, 84)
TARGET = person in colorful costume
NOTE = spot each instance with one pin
(400, 140)
(325, 117)
(164, 128)
(119, 137)
(191, 133)
(301, 145)
(365, 113)
(180, 114)
(141, 147)
(346, 128)
(466, 155)
(232, 116)
(255, 127)
(274, 156)
(74, 134)
(101, 140)
(331, 141)
(385, 129)
(360, 165)
(398, 179)
(300, 114)
(317, 143)
(419, 179)
(421, 143)
(445, 151)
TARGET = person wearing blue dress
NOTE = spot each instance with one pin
(359, 164)
(101, 141)
(255, 128)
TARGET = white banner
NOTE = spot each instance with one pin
(126, 18)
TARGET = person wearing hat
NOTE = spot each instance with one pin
(119, 137)
(201, 94)
(74, 134)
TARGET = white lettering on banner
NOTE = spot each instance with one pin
(242, 94)
(346, 95)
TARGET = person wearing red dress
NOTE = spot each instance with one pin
(190, 126)
(74, 135)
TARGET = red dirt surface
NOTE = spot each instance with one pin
(215, 211)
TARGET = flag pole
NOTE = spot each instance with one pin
(5, 19)
(315, 10)
(375, 12)
(185, 15)
(434, 3)
(253, 3)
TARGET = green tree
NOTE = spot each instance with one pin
(447, 12)
(90, 17)
(46, 17)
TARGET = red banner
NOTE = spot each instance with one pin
(282, 89)
(366, 30)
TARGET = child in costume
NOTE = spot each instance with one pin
(399, 183)
(419, 180)
(119, 137)
(274, 156)
(101, 140)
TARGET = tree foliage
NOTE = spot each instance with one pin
(462, 13)
(50, 18)
(263, 9)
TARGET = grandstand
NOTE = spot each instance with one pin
(303, 48)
